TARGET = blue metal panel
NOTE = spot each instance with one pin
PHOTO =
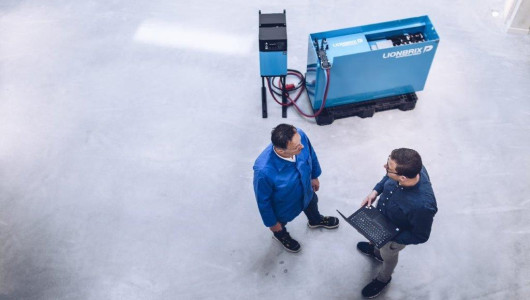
(365, 67)
(273, 63)
(346, 45)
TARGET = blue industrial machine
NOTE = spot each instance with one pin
(272, 53)
(360, 70)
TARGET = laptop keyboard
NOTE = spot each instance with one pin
(366, 224)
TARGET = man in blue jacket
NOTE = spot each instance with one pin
(406, 199)
(285, 181)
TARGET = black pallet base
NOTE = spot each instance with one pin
(366, 109)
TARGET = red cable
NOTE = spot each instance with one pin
(294, 102)
(287, 92)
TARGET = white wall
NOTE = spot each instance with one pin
(517, 16)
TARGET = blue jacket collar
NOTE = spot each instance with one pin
(277, 162)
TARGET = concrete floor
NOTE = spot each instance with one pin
(126, 154)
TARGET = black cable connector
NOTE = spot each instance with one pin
(321, 52)
(324, 62)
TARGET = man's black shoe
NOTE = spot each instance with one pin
(326, 222)
(288, 243)
(368, 249)
(374, 288)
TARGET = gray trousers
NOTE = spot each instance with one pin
(389, 253)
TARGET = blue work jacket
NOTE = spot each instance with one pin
(283, 188)
(412, 209)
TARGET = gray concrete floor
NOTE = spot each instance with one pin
(126, 154)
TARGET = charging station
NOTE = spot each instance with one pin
(272, 54)
(355, 71)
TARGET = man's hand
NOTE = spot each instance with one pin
(369, 199)
(315, 184)
(276, 228)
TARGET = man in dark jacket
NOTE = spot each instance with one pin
(285, 181)
(407, 200)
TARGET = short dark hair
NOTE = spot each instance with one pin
(281, 135)
(408, 162)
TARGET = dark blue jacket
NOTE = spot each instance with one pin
(283, 188)
(412, 209)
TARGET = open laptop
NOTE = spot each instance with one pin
(373, 225)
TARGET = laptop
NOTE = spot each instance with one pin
(373, 225)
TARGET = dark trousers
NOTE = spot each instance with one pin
(311, 212)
